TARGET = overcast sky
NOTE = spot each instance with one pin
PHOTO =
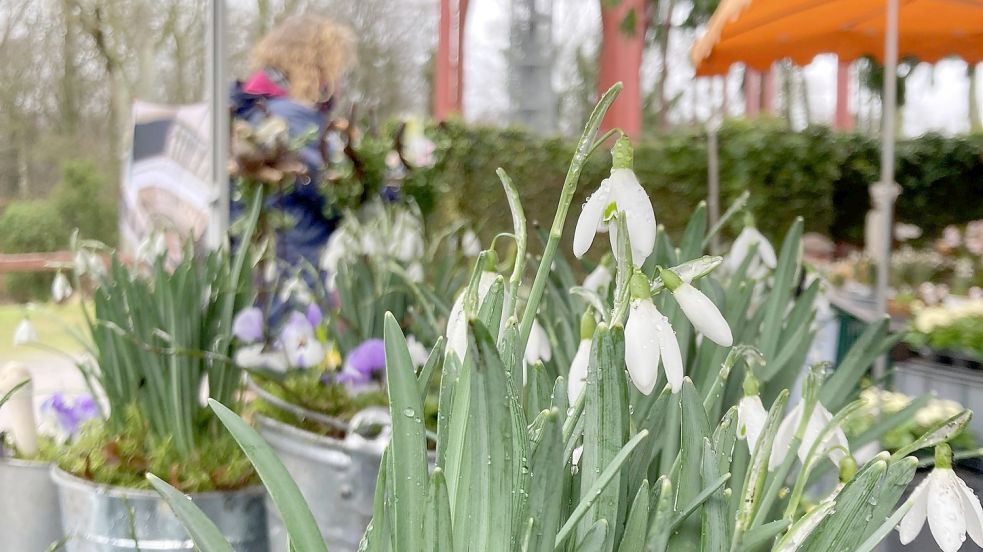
(936, 94)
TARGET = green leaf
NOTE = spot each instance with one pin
(760, 535)
(845, 527)
(839, 388)
(408, 443)
(294, 511)
(784, 282)
(695, 430)
(595, 537)
(599, 485)
(206, 536)
(6, 396)
(548, 470)
(376, 534)
(437, 532)
(434, 363)
(691, 244)
(605, 428)
(758, 469)
(636, 527)
(939, 433)
(661, 527)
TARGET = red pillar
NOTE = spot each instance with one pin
(621, 57)
(768, 100)
(843, 120)
(752, 92)
(448, 88)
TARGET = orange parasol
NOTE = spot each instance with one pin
(760, 32)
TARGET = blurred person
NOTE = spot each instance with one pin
(297, 67)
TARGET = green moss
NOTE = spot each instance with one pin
(123, 458)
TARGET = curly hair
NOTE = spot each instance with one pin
(311, 51)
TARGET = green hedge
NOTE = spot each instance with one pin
(817, 173)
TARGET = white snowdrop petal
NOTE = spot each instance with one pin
(946, 518)
(973, 512)
(642, 351)
(599, 279)
(590, 219)
(912, 522)
(751, 417)
(739, 250)
(577, 377)
(765, 250)
(635, 203)
(538, 346)
(784, 436)
(672, 359)
(703, 314)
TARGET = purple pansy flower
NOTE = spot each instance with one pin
(363, 362)
(70, 413)
(248, 325)
(314, 314)
(299, 343)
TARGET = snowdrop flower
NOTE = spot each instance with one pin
(415, 272)
(25, 333)
(457, 323)
(648, 339)
(256, 356)
(19, 409)
(247, 326)
(751, 414)
(418, 352)
(699, 309)
(538, 347)
(152, 247)
(619, 192)
(407, 238)
(300, 345)
(951, 507)
(470, 244)
(61, 288)
(764, 257)
(577, 377)
(835, 445)
(600, 278)
(89, 262)
(296, 288)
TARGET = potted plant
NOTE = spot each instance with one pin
(318, 367)
(158, 336)
(636, 445)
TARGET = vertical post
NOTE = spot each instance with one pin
(768, 97)
(713, 182)
(887, 165)
(752, 92)
(843, 120)
(218, 124)
(444, 72)
(621, 58)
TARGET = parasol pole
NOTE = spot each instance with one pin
(886, 189)
(218, 125)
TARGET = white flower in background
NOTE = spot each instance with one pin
(89, 262)
(61, 288)
(257, 357)
(599, 279)
(417, 148)
(418, 353)
(25, 333)
(904, 232)
(951, 237)
(835, 446)
(415, 272)
(577, 377)
(620, 192)
(457, 323)
(648, 339)
(470, 244)
(699, 309)
(538, 347)
(950, 506)
(974, 237)
(296, 288)
(406, 237)
(152, 247)
(751, 417)
(299, 343)
(764, 257)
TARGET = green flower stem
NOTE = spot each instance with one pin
(961, 455)
(738, 204)
(584, 148)
(519, 225)
(626, 271)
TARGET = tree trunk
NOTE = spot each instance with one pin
(663, 114)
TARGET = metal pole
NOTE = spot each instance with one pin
(886, 183)
(218, 219)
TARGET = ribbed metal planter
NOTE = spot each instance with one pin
(337, 478)
(104, 518)
(29, 506)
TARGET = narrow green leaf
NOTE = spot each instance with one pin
(844, 529)
(695, 429)
(661, 526)
(691, 244)
(784, 281)
(408, 443)
(595, 538)
(760, 535)
(206, 536)
(294, 511)
(434, 364)
(437, 532)
(940, 433)
(548, 473)
(636, 527)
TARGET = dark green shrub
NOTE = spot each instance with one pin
(26, 227)
(86, 200)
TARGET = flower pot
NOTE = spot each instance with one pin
(336, 477)
(29, 502)
(105, 518)
(955, 383)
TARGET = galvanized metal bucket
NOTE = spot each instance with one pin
(105, 518)
(29, 515)
(336, 477)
